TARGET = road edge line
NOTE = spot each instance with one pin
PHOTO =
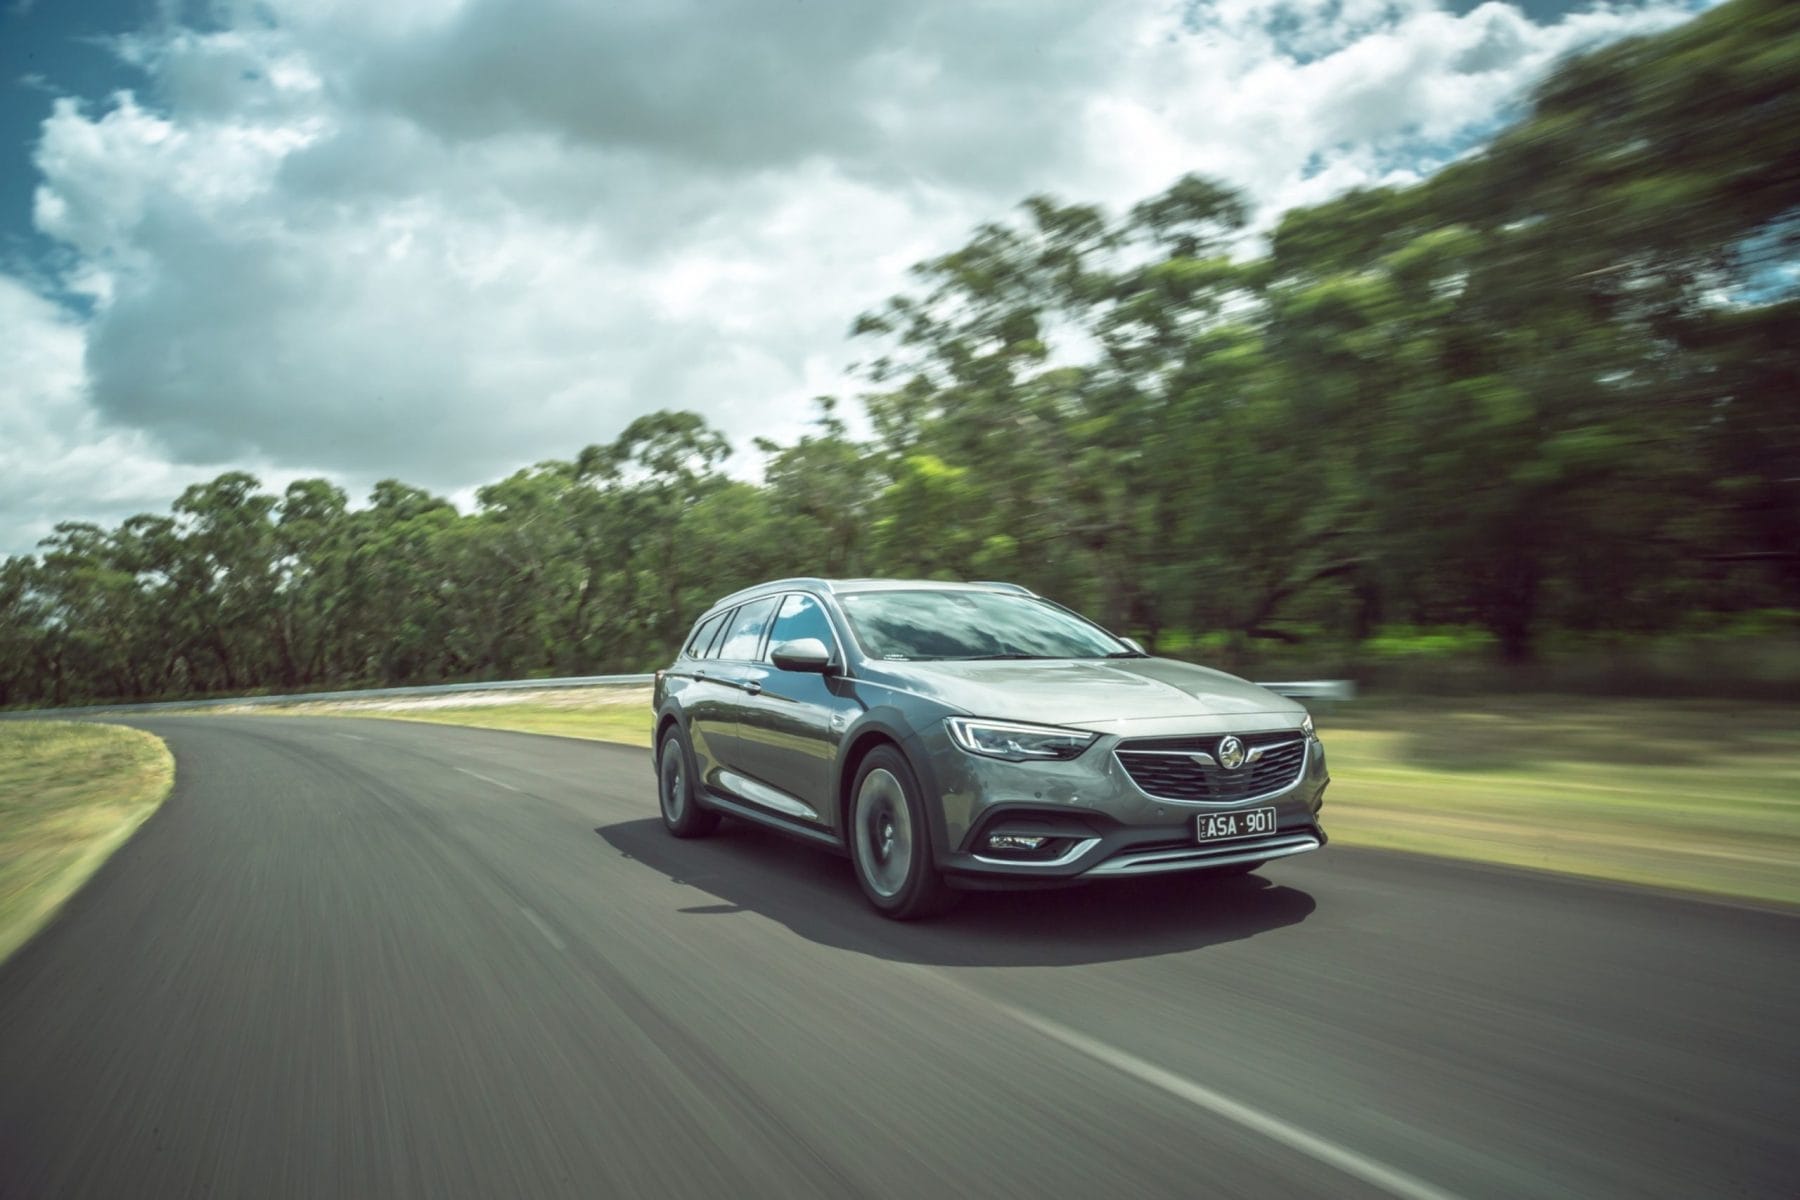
(1389, 1179)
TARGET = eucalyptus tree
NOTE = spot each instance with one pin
(1084, 402)
(823, 485)
(25, 632)
(316, 614)
(1533, 337)
(647, 478)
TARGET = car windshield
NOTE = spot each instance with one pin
(963, 625)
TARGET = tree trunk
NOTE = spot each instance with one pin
(223, 654)
(1509, 606)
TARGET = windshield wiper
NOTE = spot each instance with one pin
(995, 657)
(1128, 654)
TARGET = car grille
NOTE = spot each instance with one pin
(1163, 767)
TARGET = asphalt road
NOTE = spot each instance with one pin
(375, 959)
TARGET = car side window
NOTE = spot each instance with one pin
(800, 617)
(703, 636)
(744, 638)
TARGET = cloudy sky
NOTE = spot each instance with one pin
(441, 239)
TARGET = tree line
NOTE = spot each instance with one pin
(1553, 386)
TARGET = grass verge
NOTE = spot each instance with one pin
(70, 794)
(602, 714)
(1696, 795)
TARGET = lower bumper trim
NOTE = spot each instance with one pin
(1197, 857)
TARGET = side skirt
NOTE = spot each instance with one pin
(731, 806)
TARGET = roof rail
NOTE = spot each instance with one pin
(823, 585)
(831, 585)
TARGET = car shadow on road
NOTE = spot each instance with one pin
(814, 894)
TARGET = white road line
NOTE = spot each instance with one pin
(543, 927)
(1394, 1182)
(355, 737)
(495, 782)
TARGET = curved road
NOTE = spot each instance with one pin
(378, 959)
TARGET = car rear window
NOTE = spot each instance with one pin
(704, 633)
(744, 637)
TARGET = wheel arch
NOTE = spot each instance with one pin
(664, 723)
(871, 732)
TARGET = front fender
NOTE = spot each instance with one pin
(887, 723)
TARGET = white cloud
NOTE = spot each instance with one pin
(443, 240)
(1293, 101)
(58, 461)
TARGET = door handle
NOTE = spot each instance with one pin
(755, 689)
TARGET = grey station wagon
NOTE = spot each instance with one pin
(950, 736)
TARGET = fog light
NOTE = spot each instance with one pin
(1014, 841)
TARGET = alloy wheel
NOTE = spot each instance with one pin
(673, 782)
(884, 832)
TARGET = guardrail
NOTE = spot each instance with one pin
(1311, 689)
(429, 689)
(1314, 689)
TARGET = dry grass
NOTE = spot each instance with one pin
(605, 714)
(1696, 795)
(70, 794)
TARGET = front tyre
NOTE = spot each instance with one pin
(681, 813)
(890, 841)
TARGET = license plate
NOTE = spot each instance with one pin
(1249, 822)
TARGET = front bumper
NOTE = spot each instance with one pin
(1102, 825)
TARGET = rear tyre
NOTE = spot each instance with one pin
(890, 841)
(681, 812)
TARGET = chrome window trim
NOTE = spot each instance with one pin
(700, 656)
(1299, 777)
(762, 638)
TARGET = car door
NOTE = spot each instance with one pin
(730, 672)
(708, 704)
(789, 721)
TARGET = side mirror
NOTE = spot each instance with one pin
(804, 654)
(1133, 643)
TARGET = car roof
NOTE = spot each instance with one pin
(842, 586)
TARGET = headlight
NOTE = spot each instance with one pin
(1017, 743)
(1306, 727)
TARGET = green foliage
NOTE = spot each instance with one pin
(1399, 641)
(1549, 390)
